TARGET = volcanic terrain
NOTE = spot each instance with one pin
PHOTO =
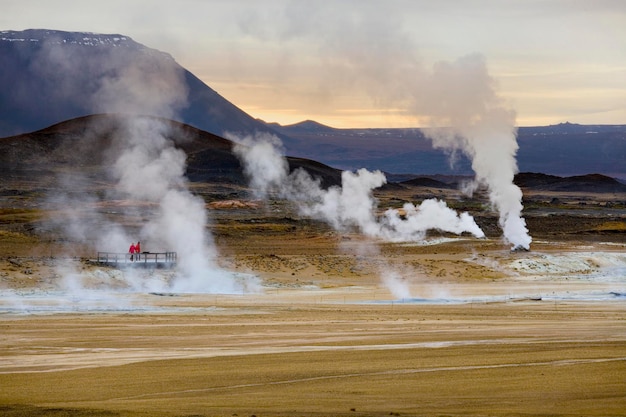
(324, 321)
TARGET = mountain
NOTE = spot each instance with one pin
(569, 149)
(88, 146)
(49, 76)
(85, 148)
(565, 149)
(306, 127)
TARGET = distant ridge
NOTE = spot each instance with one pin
(429, 182)
(307, 126)
(565, 149)
(592, 183)
(569, 128)
(589, 183)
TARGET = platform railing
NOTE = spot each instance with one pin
(156, 258)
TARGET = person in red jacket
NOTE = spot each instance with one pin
(132, 251)
(138, 250)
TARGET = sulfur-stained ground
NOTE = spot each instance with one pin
(334, 325)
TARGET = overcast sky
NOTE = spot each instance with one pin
(337, 62)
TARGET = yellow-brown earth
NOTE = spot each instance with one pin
(484, 332)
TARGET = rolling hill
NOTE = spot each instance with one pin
(88, 146)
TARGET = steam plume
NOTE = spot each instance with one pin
(462, 95)
(350, 206)
(147, 170)
(262, 162)
(459, 95)
(152, 169)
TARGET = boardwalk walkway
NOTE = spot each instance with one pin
(145, 259)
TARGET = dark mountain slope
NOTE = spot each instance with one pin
(49, 76)
(89, 145)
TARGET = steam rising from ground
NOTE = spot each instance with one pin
(147, 172)
(457, 99)
(461, 94)
(350, 206)
(151, 169)
(165, 216)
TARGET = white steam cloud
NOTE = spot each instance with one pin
(457, 99)
(350, 206)
(462, 95)
(147, 171)
(263, 164)
(151, 169)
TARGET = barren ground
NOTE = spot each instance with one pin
(482, 332)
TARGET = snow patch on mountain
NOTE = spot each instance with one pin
(60, 38)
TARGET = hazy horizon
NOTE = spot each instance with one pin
(429, 127)
(345, 64)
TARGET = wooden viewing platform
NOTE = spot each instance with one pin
(144, 259)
